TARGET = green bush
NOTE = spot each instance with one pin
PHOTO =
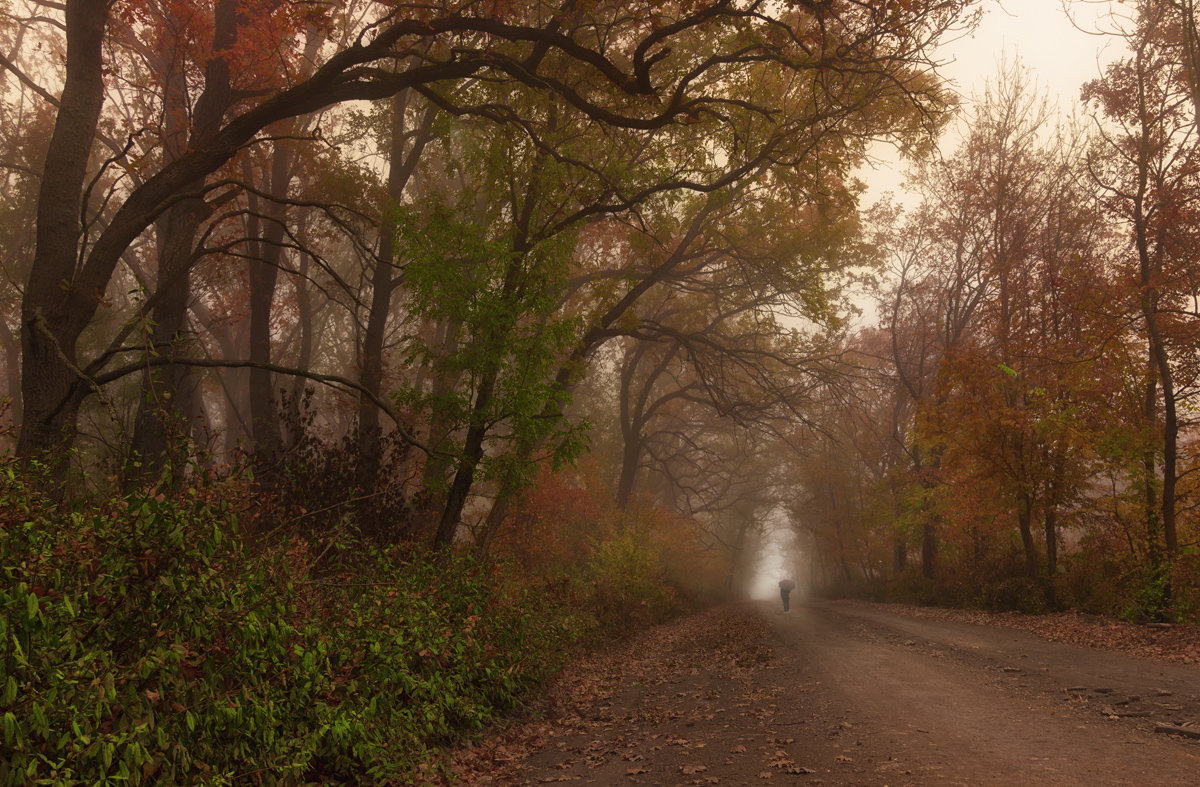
(1149, 595)
(141, 642)
(628, 587)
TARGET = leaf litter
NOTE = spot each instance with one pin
(644, 696)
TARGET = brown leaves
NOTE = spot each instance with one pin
(586, 720)
(1177, 644)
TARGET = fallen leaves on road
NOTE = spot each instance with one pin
(728, 640)
(1177, 644)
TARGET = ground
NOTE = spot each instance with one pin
(855, 693)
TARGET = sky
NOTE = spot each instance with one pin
(1060, 53)
(1040, 34)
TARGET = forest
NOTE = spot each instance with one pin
(410, 347)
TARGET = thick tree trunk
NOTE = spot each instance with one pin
(631, 456)
(1051, 523)
(929, 534)
(56, 308)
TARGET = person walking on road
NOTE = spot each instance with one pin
(785, 588)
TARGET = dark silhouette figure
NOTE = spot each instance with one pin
(785, 588)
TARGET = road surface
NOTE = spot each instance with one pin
(850, 693)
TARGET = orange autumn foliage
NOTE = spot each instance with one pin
(555, 522)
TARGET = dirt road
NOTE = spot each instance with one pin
(850, 693)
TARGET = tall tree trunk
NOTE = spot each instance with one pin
(899, 555)
(400, 171)
(1051, 527)
(55, 309)
(495, 518)
(631, 456)
(304, 313)
(437, 467)
(472, 455)
(265, 427)
(1150, 268)
(929, 532)
(161, 430)
(1025, 526)
(477, 428)
(1150, 502)
(1170, 448)
(235, 383)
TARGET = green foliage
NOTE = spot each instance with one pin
(504, 302)
(628, 586)
(141, 642)
(1150, 595)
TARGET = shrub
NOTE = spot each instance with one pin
(1185, 585)
(629, 589)
(1015, 594)
(912, 587)
(140, 642)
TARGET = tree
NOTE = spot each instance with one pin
(1006, 394)
(877, 51)
(1147, 166)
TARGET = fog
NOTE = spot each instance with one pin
(778, 557)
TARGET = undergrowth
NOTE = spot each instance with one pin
(142, 641)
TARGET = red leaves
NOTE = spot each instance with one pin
(177, 37)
